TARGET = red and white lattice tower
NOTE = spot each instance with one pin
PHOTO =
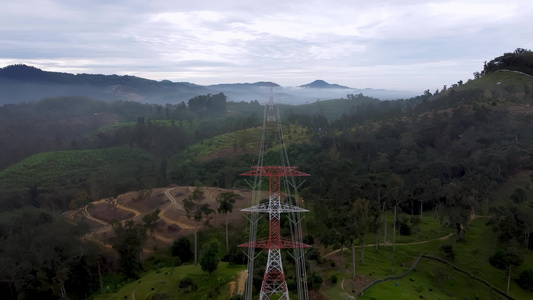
(274, 284)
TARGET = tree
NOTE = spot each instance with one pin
(209, 258)
(514, 258)
(226, 201)
(499, 260)
(43, 257)
(395, 195)
(182, 249)
(506, 260)
(197, 211)
(150, 221)
(363, 221)
(129, 240)
(341, 225)
(188, 285)
(519, 195)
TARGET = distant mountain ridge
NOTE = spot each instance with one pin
(22, 83)
(321, 84)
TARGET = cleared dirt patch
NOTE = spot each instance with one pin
(173, 222)
(107, 212)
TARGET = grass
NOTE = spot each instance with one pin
(472, 254)
(165, 281)
(502, 86)
(432, 280)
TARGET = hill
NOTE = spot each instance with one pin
(22, 83)
(500, 87)
(321, 84)
(70, 178)
(442, 180)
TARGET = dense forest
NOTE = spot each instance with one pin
(463, 151)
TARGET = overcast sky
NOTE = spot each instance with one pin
(390, 44)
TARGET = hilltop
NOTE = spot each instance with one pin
(321, 84)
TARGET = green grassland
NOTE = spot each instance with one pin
(503, 87)
(164, 282)
(431, 280)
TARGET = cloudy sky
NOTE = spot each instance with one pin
(409, 45)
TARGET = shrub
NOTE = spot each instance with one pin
(499, 260)
(334, 279)
(416, 220)
(182, 249)
(309, 239)
(448, 250)
(314, 281)
(525, 280)
(313, 254)
(402, 223)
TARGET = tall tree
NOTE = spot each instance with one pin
(196, 210)
(514, 258)
(363, 221)
(226, 201)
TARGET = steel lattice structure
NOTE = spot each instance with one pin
(274, 283)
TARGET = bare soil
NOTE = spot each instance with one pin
(173, 222)
(93, 225)
(106, 212)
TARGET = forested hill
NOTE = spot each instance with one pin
(482, 121)
(20, 83)
(451, 155)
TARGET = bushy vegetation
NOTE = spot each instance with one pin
(519, 60)
(525, 280)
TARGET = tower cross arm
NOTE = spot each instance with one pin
(281, 208)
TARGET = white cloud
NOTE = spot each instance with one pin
(379, 44)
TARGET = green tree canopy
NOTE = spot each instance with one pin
(209, 257)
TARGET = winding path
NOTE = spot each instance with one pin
(390, 244)
(177, 205)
